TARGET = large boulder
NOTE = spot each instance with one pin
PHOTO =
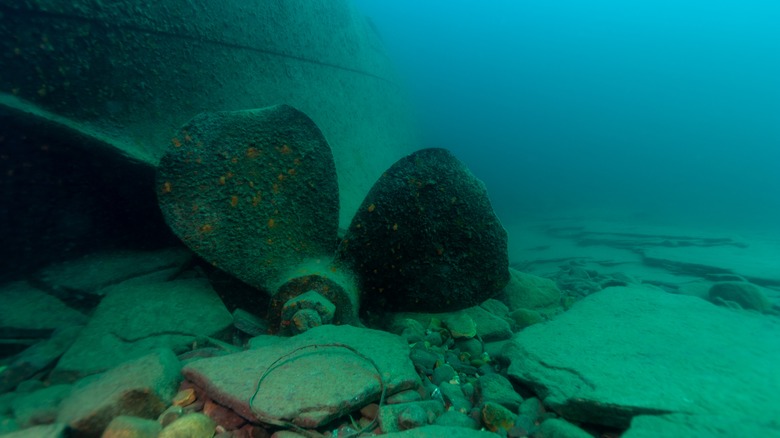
(138, 318)
(746, 295)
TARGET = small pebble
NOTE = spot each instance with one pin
(496, 417)
(184, 397)
(190, 426)
(443, 373)
(370, 411)
(460, 325)
(472, 346)
(412, 417)
(423, 358)
(223, 416)
(457, 419)
(435, 339)
(170, 415)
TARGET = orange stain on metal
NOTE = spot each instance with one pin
(252, 152)
(176, 142)
(271, 223)
(233, 201)
(371, 208)
(207, 228)
(284, 150)
(166, 187)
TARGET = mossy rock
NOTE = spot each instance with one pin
(747, 295)
(528, 291)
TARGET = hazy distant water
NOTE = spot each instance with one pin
(667, 108)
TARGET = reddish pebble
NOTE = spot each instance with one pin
(370, 411)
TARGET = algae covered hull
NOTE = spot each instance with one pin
(128, 74)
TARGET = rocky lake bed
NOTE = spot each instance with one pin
(604, 330)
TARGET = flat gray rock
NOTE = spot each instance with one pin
(37, 358)
(669, 255)
(95, 271)
(624, 352)
(135, 319)
(490, 327)
(141, 388)
(316, 376)
(756, 261)
(56, 430)
(529, 291)
(26, 311)
(40, 406)
(498, 389)
(441, 431)
(682, 425)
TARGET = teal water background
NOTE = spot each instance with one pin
(661, 109)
